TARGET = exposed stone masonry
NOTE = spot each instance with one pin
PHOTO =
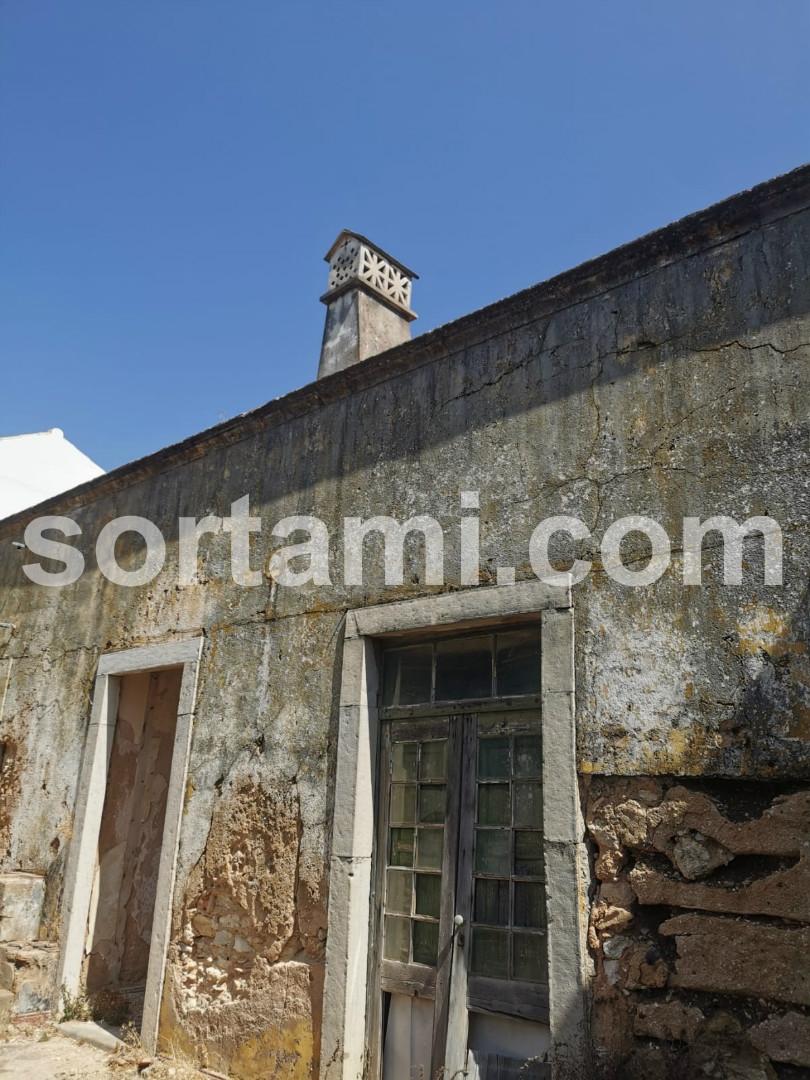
(249, 950)
(700, 928)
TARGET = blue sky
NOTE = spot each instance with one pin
(172, 172)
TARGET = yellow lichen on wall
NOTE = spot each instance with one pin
(764, 630)
(286, 1051)
(273, 1033)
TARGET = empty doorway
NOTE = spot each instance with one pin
(119, 880)
(122, 904)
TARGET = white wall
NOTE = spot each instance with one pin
(35, 467)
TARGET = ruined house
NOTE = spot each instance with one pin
(513, 827)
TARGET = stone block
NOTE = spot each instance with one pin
(784, 894)
(696, 855)
(203, 925)
(670, 1021)
(723, 1050)
(784, 1038)
(87, 1031)
(642, 968)
(609, 919)
(21, 898)
(33, 975)
(734, 956)
(618, 893)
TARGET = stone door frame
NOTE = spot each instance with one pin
(92, 790)
(345, 1025)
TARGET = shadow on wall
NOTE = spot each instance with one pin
(774, 708)
(542, 346)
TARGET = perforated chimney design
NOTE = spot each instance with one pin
(368, 301)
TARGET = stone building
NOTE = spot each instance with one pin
(518, 826)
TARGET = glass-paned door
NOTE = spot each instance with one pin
(463, 968)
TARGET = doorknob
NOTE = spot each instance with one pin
(458, 921)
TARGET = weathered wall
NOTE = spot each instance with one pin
(664, 382)
(701, 925)
(123, 903)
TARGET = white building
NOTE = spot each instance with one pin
(36, 466)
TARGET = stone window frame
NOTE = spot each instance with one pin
(91, 793)
(345, 1003)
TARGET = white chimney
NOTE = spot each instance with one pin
(368, 303)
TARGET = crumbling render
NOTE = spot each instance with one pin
(246, 970)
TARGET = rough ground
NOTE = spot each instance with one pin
(46, 1055)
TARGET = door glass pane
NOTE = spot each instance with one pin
(492, 902)
(407, 675)
(425, 942)
(432, 803)
(415, 675)
(529, 804)
(518, 662)
(529, 904)
(507, 936)
(528, 756)
(429, 847)
(397, 934)
(433, 760)
(398, 891)
(428, 894)
(529, 957)
(493, 758)
(412, 901)
(508, 914)
(492, 851)
(464, 668)
(401, 847)
(529, 854)
(490, 953)
(403, 803)
(403, 761)
(493, 804)
(390, 671)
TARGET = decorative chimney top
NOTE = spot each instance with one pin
(368, 303)
(354, 260)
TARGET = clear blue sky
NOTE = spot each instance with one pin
(172, 172)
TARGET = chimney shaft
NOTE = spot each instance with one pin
(368, 303)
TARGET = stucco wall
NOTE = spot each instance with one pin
(37, 466)
(676, 389)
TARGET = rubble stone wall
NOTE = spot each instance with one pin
(700, 927)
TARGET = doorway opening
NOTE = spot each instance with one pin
(122, 903)
(122, 859)
(461, 946)
(354, 1014)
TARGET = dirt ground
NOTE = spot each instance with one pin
(44, 1054)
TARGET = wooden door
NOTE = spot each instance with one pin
(462, 968)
